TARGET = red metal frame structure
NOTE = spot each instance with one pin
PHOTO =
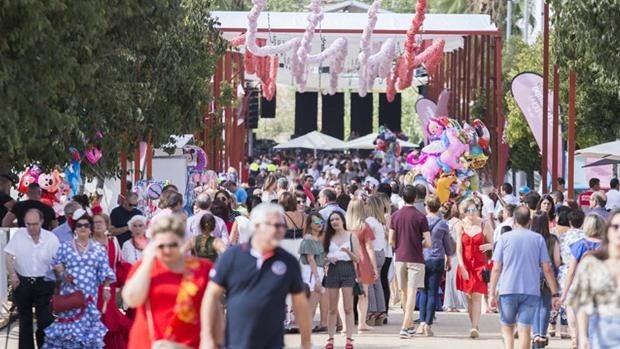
(478, 60)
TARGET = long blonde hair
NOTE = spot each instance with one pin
(356, 214)
(377, 208)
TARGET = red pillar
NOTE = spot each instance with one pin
(136, 164)
(468, 51)
(487, 84)
(571, 133)
(545, 103)
(555, 152)
(149, 156)
(123, 161)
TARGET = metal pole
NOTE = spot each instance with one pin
(509, 19)
(545, 104)
(555, 152)
(571, 133)
(526, 20)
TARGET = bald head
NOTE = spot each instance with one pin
(33, 221)
(522, 216)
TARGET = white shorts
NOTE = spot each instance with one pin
(306, 275)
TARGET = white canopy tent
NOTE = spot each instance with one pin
(610, 150)
(366, 142)
(314, 140)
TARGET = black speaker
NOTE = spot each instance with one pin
(253, 94)
(361, 114)
(306, 110)
(332, 108)
(268, 108)
(390, 112)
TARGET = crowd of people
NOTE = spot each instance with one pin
(341, 237)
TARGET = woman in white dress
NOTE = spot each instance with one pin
(453, 298)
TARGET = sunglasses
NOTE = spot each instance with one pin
(82, 225)
(221, 198)
(133, 205)
(471, 210)
(170, 245)
(300, 202)
(318, 221)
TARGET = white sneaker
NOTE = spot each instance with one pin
(404, 334)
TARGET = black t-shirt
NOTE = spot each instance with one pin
(255, 298)
(4, 198)
(21, 207)
(119, 218)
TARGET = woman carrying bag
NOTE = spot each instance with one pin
(177, 282)
(82, 265)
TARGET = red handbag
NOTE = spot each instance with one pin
(74, 300)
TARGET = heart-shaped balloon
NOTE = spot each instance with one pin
(93, 155)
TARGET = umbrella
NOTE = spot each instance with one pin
(610, 150)
(314, 140)
(602, 162)
(366, 142)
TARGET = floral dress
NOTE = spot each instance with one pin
(566, 240)
(89, 270)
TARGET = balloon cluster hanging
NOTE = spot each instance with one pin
(447, 164)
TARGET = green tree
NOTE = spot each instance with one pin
(72, 68)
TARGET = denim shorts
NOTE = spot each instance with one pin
(517, 308)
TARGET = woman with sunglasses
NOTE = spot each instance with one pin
(312, 258)
(342, 249)
(596, 291)
(82, 265)
(166, 287)
(474, 238)
(132, 249)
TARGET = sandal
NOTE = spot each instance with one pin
(380, 319)
(371, 320)
(329, 344)
(349, 344)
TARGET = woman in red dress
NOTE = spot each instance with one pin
(474, 238)
(166, 287)
(117, 323)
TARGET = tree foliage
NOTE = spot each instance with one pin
(70, 69)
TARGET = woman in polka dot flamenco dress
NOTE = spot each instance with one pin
(83, 265)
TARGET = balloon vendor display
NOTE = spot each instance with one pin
(56, 187)
(148, 192)
(198, 179)
(447, 164)
(387, 143)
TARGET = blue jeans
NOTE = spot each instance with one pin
(432, 278)
(543, 311)
(517, 308)
(604, 332)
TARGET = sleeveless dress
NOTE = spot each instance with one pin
(475, 261)
(364, 266)
(204, 248)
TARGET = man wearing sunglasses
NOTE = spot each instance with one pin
(121, 215)
(256, 276)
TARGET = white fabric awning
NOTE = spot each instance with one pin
(366, 142)
(314, 140)
(610, 150)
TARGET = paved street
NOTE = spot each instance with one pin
(451, 331)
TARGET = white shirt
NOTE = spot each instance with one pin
(613, 199)
(508, 199)
(129, 253)
(488, 206)
(33, 260)
(380, 241)
(508, 222)
(396, 200)
(244, 227)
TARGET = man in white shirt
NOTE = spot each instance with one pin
(506, 197)
(29, 259)
(613, 195)
(508, 220)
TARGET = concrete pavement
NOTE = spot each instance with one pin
(451, 332)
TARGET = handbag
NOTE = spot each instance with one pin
(74, 300)
(121, 268)
(486, 275)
